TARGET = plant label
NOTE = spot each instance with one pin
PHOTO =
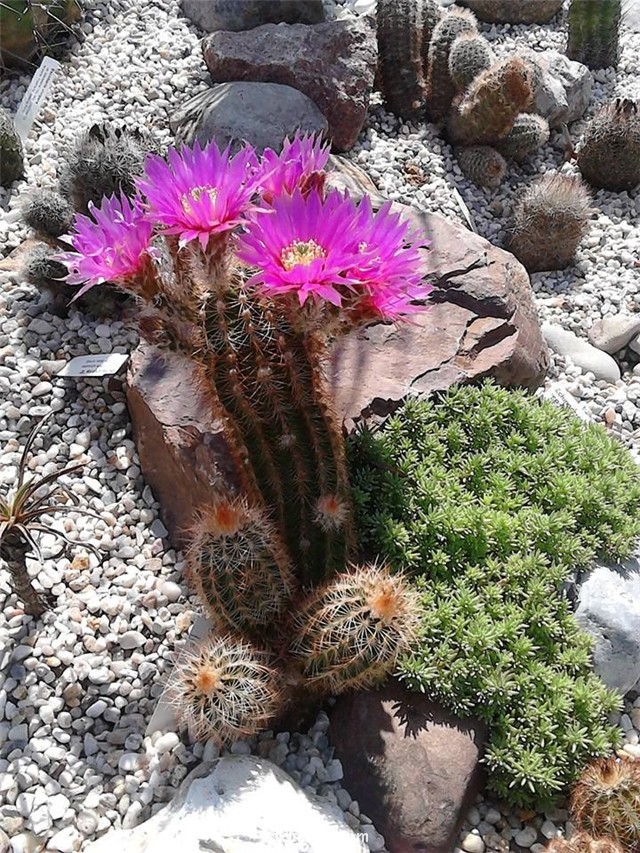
(35, 96)
(95, 365)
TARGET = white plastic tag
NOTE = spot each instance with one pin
(560, 395)
(465, 210)
(94, 365)
(35, 96)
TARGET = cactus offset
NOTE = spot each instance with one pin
(404, 32)
(580, 842)
(482, 164)
(41, 267)
(49, 213)
(441, 89)
(609, 155)
(529, 133)
(605, 801)
(550, 219)
(470, 54)
(515, 11)
(349, 633)
(594, 32)
(490, 105)
(239, 568)
(225, 689)
(11, 156)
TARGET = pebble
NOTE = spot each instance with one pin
(526, 837)
(473, 843)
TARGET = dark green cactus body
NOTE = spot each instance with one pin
(441, 89)
(11, 156)
(593, 32)
(529, 133)
(470, 54)
(609, 155)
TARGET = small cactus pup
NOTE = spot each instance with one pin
(609, 154)
(49, 213)
(349, 633)
(515, 11)
(11, 153)
(404, 30)
(224, 689)
(605, 801)
(529, 133)
(492, 102)
(441, 89)
(470, 54)
(41, 267)
(581, 842)
(105, 160)
(550, 219)
(483, 165)
(240, 569)
(593, 37)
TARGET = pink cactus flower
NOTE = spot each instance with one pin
(199, 192)
(111, 244)
(299, 166)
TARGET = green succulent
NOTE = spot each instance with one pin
(489, 499)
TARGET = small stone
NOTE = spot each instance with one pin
(526, 837)
(472, 843)
(96, 709)
(492, 816)
(334, 770)
(131, 640)
(66, 841)
(549, 829)
(167, 742)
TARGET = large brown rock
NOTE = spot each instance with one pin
(332, 63)
(413, 767)
(483, 323)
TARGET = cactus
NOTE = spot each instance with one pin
(529, 133)
(240, 570)
(440, 87)
(482, 164)
(609, 155)
(225, 689)
(41, 267)
(490, 105)
(580, 842)
(11, 156)
(49, 213)
(404, 33)
(515, 11)
(550, 219)
(349, 633)
(34, 28)
(106, 160)
(594, 31)
(605, 801)
(469, 55)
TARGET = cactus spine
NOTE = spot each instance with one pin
(593, 32)
(226, 690)
(49, 213)
(605, 801)
(490, 105)
(529, 132)
(580, 842)
(404, 32)
(441, 89)
(349, 633)
(609, 155)
(550, 219)
(470, 55)
(11, 159)
(482, 164)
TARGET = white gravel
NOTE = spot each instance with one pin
(77, 690)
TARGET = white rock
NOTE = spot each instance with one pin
(566, 88)
(167, 742)
(526, 837)
(581, 352)
(132, 639)
(612, 334)
(68, 840)
(243, 804)
(472, 843)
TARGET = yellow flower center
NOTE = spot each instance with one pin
(195, 194)
(301, 254)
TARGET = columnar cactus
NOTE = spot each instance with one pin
(441, 89)
(11, 155)
(470, 54)
(594, 32)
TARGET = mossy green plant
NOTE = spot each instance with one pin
(489, 499)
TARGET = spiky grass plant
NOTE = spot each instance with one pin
(605, 801)
(23, 517)
(225, 689)
(489, 499)
(349, 633)
(581, 842)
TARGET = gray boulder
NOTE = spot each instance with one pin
(612, 334)
(565, 91)
(581, 352)
(235, 15)
(260, 113)
(609, 609)
(333, 63)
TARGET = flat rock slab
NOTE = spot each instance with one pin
(239, 804)
(262, 114)
(483, 323)
(413, 767)
(235, 15)
(332, 63)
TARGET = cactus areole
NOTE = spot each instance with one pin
(248, 266)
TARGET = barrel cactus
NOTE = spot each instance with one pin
(482, 164)
(12, 158)
(609, 155)
(605, 801)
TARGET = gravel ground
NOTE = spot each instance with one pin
(77, 690)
